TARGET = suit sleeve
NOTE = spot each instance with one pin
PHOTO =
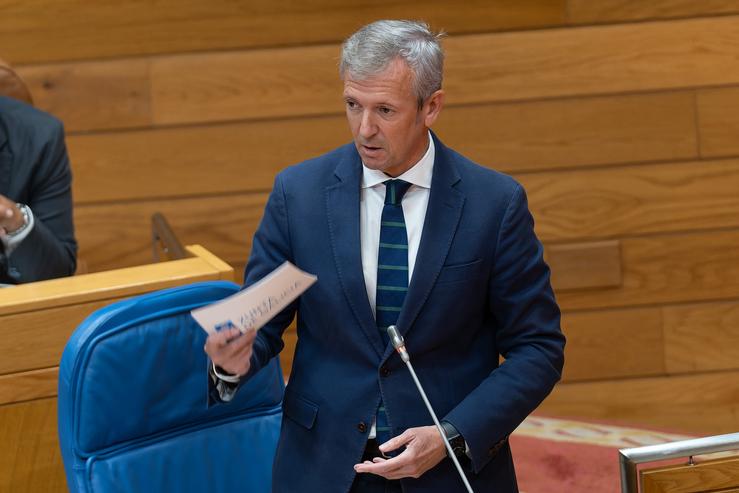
(270, 249)
(528, 336)
(50, 249)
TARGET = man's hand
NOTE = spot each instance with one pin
(231, 350)
(424, 448)
(11, 218)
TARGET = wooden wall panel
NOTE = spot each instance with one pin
(703, 403)
(719, 123)
(60, 30)
(120, 233)
(239, 266)
(93, 96)
(246, 84)
(634, 200)
(702, 337)
(585, 265)
(669, 269)
(290, 337)
(245, 156)
(611, 344)
(571, 133)
(196, 160)
(588, 11)
(30, 458)
(592, 60)
(566, 62)
(30, 385)
(479, 68)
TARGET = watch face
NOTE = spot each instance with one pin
(458, 446)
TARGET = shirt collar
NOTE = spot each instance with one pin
(419, 174)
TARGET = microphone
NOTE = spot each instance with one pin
(399, 344)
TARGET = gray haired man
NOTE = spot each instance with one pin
(401, 230)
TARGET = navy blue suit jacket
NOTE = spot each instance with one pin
(34, 170)
(480, 289)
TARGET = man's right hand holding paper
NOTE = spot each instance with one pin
(231, 350)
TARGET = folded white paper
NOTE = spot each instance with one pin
(258, 304)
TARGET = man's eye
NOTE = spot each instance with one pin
(351, 105)
(385, 111)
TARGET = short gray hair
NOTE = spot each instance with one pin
(368, 51)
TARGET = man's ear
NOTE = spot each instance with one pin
(433, 106)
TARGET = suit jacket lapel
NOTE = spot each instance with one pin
(442, 218)
(342, 210)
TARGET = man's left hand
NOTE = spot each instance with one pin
(424, 448)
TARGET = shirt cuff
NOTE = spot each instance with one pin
(226, 389)
(222, 375)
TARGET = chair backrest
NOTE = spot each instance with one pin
(12, 85)
(133, 409)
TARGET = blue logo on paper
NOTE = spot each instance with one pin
(224, 326)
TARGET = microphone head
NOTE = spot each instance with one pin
(395, 336)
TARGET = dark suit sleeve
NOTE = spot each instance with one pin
(270, 249)
(50, 250)
(528, 336)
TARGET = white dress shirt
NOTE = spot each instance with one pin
(414, 203)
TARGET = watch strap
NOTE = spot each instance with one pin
(456, 441)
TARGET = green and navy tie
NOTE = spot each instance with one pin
(392, 275)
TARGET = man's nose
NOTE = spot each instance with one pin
(367, 126)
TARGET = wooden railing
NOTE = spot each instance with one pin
(712, 475)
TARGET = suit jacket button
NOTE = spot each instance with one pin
(384, 371)
(362, 427)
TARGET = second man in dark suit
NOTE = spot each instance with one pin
(36, 229)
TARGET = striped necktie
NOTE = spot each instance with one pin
(392, 275)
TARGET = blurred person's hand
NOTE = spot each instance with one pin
(11, 218)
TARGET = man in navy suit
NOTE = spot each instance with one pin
(36, 229)
(469, 285)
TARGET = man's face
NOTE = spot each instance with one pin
(390, 131)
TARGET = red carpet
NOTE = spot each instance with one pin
(556, 455)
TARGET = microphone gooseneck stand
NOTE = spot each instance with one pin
(399, 345)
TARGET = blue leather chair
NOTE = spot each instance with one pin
(133, 414)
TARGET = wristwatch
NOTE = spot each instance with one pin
(459, 446)
(221, 374)
(26, 219)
